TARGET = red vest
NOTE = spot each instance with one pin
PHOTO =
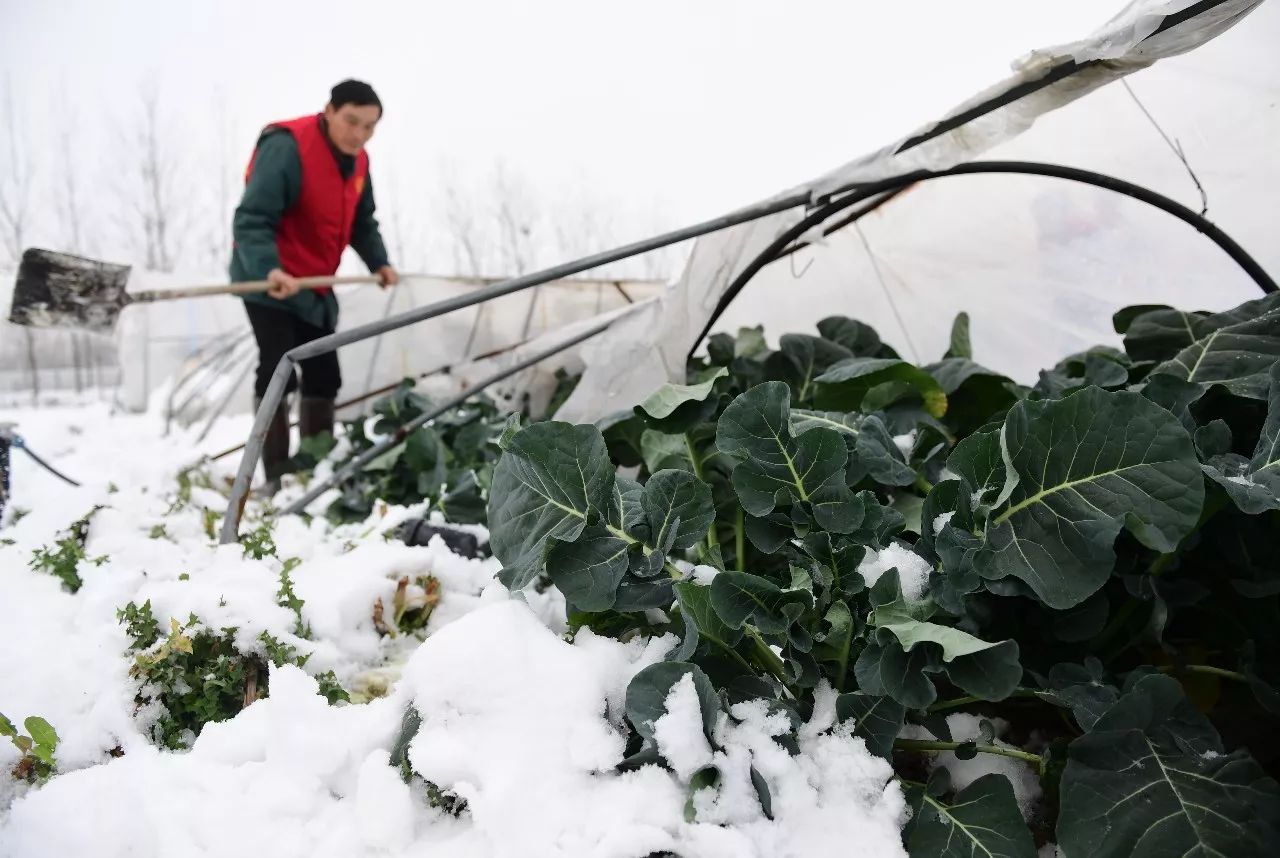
(311, 236)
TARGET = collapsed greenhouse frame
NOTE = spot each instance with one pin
(1132, 41)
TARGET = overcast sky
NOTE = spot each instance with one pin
(654, 113)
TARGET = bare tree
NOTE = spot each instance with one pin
(15, 183)
(68, 195)
(464, 230)
(224, 189)
(160, 207)
(397, 224)
(516, 219)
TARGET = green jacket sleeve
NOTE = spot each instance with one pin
(273, 188)
(366, 240)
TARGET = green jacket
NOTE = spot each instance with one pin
(273, 188)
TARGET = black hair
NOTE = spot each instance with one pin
(355, 92)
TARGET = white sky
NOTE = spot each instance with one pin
(659, 112)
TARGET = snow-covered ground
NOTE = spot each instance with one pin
(523, 725)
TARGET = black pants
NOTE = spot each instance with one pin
(278, 331)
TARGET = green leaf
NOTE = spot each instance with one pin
(1237, 356)
(1123, 318)
(1161, 332)
(800, 360)
(750, 343)
(640, 594)
(975, 395)
(43, 734)
(755, 428)
(678, 508)
(740, 597)
(960, 346)
(1176, 396)
(1151, 778)
(551, 479)
(878, 720)
(874, 524)
(720, 349)
(1088, 465)
(838, 559)
(979, 460)
(769, 533)
(835, 644)
(878, 455)
(646, 700)
(873, 453)
(987, 670)
(622, 433)
(859, 338)
(762, 793)
(982, 821)
(676, 407)
(889, 670)
(626, 507)
(803, 420)
(1254, 484)
(1082, 688)
(707, 777)
(410, 723)
(846, 384)
(589, 569)
(695, 605)
(663, 451)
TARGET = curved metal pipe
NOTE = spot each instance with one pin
(779, 247)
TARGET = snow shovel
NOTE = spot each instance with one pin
(59, 290)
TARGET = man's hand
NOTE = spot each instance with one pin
(282, 285)
(388, 276)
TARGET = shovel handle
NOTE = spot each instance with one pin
(246, 288)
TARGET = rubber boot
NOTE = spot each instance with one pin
(315, 417)
(275, 449)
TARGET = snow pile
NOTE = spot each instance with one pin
(522, 729)
(520, 724)
(913, 570)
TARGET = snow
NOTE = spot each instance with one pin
(906, 442)
(703, 574)
(679, 734)
(913, 570)
(524, 726)
(1025, 782)
(940, 521)
(1242, 480)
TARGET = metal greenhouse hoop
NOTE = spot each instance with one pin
(885, 189)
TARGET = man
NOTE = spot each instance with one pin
(307, 196)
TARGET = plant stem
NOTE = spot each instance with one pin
(770, 660)
(957, 702)
(923, 485)
(1205, 669)
(712, 542)
(693, 456)
(1032, 760)
(739, 539)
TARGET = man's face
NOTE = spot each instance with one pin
(351, 126)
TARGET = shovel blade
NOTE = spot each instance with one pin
(59, 290)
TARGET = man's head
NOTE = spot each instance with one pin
(351, 115)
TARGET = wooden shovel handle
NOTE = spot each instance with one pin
(248, 287)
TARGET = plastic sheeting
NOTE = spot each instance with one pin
(155, 339)
(1040, 264)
